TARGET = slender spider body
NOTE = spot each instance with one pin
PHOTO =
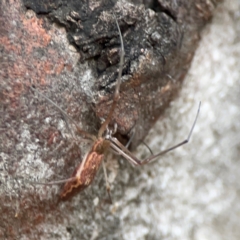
(84, 174)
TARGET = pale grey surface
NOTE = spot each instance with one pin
(194, 191)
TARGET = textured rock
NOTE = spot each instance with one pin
(190, 194)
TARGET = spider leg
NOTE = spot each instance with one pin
(53, 182)
(116, 93)
(122, 150)
(106, 180)
(85, 134)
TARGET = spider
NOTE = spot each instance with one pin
(85, 172)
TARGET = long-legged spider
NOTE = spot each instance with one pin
(85, 172)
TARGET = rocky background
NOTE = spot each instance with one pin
(190, 193)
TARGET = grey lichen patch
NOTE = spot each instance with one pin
(85, 79)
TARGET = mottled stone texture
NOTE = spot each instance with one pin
(159, 38)
(70, 51)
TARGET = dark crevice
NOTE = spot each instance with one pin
(158, 7)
